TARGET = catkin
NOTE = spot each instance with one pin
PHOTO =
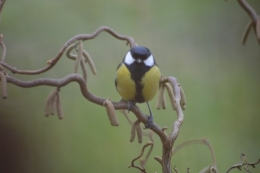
(79, 57)
(132, 137)
(84, 69)
(139, 132)
(58, 106)
(49, 101)
(53, 105)
(90, 62)
(111, 113)
(183, 99)
(171, 95)
(160, 97)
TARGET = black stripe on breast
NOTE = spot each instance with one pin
(137, 72)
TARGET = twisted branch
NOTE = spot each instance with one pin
(83, 37)
(243, 162)
(254, 22)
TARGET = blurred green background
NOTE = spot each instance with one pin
(197, 42)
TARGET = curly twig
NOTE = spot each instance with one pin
(212, 168)
(255, 21)
(2, 2)
(243, 162)
(141, 154)
(83, 37)
(3, 49)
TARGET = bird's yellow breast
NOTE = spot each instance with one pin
(125, 85)
(150, 82)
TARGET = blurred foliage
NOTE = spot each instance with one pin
(197, 42)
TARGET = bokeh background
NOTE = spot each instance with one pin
(197, 42)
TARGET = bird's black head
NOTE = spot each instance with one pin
(139, 55)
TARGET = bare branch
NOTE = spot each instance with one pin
(3, 47)
(83, 37)
(2, 2)
(243, 162)
(246, 32)
(158, 159)
(250, 11)
(255, 21)
(197, 141)
(141, 154)
(3, 85)
(211, 168)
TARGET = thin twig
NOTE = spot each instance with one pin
(197, 141)
(250, 11)
(83, 37)
(2, 2)
(243, 162)
(141, 154)
(3, 49)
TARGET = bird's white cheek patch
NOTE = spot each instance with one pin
(149, 61)
(129, 59)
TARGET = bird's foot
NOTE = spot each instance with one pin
(129, 106)
(149, 123)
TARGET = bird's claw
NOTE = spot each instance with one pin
(149, 123)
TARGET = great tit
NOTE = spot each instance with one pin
(137, 78)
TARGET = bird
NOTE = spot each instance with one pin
(137, 78)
